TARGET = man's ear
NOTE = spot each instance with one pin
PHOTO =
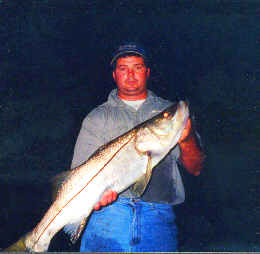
(114, 75)
(148, 72)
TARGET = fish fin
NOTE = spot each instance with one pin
(57, 181)
(74, 230)
(139, 187)
(17, 246)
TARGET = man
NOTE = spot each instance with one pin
(133, 223)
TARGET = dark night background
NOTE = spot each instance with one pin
(54, 69)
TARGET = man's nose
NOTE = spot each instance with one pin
(131, 72)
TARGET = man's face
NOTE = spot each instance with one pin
(131, 76)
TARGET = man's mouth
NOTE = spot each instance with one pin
(131, 82)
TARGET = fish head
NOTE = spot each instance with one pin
(162, 132)
(171, 121)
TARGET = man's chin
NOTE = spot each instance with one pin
(131, 89)
(131, 94)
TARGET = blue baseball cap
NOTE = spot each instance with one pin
(126, 48)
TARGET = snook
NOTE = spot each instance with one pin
(125, 161)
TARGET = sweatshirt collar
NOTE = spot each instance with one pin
(115, 101)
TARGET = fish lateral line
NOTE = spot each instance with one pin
(130, 139)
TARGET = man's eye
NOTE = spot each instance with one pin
(139, 68)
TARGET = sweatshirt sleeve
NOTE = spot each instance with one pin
(90, 138)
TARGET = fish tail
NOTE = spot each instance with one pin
(17, 246)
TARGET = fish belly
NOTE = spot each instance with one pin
(84, 188)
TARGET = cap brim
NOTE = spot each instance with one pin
(125, 53)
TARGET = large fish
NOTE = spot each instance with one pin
(126, 161)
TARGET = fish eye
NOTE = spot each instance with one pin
(165, 114)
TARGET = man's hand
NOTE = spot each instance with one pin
(108, 197)
(186, 132)
(192, 157)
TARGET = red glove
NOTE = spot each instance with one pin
(108, 197)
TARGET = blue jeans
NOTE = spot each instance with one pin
(131, 225)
